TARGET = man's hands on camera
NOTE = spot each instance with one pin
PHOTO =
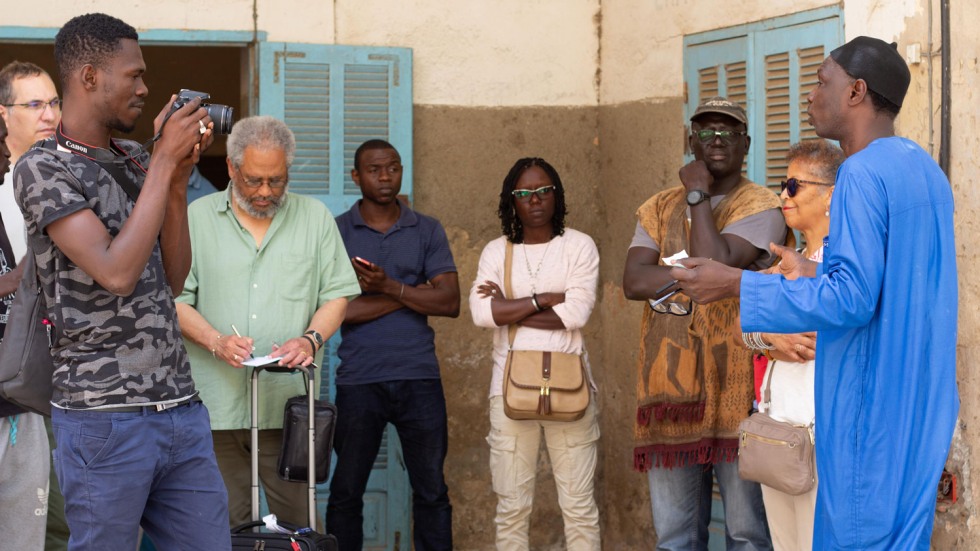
(185, 135)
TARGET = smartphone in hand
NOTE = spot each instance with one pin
(363, 262)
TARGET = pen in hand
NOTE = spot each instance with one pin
(239, 335)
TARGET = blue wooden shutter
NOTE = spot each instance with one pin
(334, 98)
(770, 67)
(788, 59)
(717, 68)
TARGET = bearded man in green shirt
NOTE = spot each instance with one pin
(269, 274)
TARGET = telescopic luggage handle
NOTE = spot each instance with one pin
(311, 459)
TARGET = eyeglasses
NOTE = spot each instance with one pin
(675, 308)
(255, 183)
(728, 137)
(792, 185)
(38, 105)
(524, 195)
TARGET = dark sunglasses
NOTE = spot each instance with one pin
(792, 185)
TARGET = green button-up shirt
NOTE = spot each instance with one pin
(269, 293)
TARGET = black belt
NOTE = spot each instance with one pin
(147, 409)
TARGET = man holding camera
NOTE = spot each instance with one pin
(269, 273)
(133, 441)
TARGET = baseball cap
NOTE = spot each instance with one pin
(723, 106)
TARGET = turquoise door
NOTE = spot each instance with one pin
(334, 98)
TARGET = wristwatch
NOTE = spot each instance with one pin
(696, 197)
(317, 338)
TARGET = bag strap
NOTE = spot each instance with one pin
(766, 392)
(114, 168)
(508, 265)
(29, 274)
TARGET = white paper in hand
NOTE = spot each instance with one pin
(672, 260)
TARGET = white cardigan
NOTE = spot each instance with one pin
(569, 264)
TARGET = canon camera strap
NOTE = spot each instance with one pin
(112, 160)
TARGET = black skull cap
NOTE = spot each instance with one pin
(877, 63)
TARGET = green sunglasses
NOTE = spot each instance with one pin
(524, 195)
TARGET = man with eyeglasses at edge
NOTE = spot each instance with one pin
(31, 108)
(695, 379)
(134, 447)
(388, 369)
(269, 274)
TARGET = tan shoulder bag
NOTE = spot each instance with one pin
(541, 385)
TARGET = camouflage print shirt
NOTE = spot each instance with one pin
(108, 350)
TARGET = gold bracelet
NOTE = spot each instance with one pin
(214, 348)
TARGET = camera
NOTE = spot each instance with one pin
(222, 115)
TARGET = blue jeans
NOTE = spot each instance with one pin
(417, 409)
(681, 502)
(157, 470)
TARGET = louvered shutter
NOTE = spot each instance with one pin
(334, 98)
(769, 67)
(790, 57)
(719, 68)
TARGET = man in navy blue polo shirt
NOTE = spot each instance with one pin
(388, 368)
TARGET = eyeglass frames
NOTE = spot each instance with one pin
(255, 183)
(524, 195)
(675, 308)
(38, 105)
(792, 185)
(728, 137)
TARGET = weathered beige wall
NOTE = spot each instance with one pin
(640, 146)
(478, 53)
(642, 40)
(466, 53)
(958, 529)
(468, 151)
(596, 88)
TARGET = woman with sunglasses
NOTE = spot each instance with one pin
(554, 274)
(806, 195)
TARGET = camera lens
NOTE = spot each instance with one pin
(223, 117)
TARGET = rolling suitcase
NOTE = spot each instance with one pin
(245, 537)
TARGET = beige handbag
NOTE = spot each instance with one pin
(775, 453)
(541, 385)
